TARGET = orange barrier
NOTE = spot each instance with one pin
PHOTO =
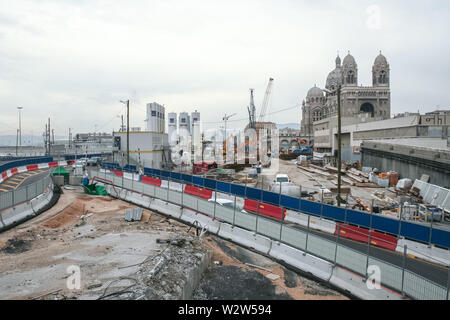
(151, 180)
(362, 235)
(264, 209)
(196, 191)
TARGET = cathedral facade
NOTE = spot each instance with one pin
(373, 101)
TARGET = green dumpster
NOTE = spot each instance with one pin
(93, 189)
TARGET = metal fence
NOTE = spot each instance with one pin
(430, 234)
(394, 277)
(25, 193)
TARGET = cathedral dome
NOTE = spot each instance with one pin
(334, 78)
(315, 92)
(349, 60)
(380, 60)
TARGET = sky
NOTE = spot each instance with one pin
(74, 60)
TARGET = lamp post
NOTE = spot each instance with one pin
(20, 126)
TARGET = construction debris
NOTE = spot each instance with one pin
(134, 214)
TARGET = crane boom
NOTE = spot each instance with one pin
(265, 104)
(252, 111)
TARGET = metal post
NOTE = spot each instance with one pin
(300, 199)
(346, 208)
(321, 206)
(307, 234)
(431, 228)
(234, 211)
(281, 221)
(337, 242)
(400, 222)
(168, 187)
(339, 164)
(198, 195)
(279, 196)
(448, 281)
(368, 244)
(215, 202)
(257, 215)
(405, 252)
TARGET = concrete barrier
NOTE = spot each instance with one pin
(324, 225)
(306, 262)
(354, 284)
(422, 251)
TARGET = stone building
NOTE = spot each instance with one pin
(373, 101)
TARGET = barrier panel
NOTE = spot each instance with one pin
(264, 209)
(151, 180)
(362, 235)
(201, 192)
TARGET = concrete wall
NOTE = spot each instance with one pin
(409, 164)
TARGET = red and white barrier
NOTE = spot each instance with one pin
(32, 167)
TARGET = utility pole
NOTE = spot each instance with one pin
(48, 138)
(17, 142)
(70, 138)
(128, 129)
(339, 164)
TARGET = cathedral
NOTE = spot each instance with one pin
(374, 101)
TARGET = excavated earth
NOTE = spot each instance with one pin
(82, 248)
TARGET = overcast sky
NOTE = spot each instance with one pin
(74, 60)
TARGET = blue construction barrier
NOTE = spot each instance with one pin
(24, 162)
(409, 230)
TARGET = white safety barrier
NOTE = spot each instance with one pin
(313, 254)
(315, 223)
(299, 259)
(423, 251)
(25, 210)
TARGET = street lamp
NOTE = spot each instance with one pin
(339, 160)
(20, 125)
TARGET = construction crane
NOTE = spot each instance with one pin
(252, 111)
(265, 104)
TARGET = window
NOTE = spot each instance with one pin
(183, 120)
(172, 120)
(153, 113)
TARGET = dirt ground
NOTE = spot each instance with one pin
(236, 272)
(132, 260)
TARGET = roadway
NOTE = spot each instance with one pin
(22, 179)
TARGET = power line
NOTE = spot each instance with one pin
(246, 119)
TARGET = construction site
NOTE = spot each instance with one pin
(216, 199)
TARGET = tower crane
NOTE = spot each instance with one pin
(265, 104)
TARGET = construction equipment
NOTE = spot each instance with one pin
(252, 111)
(265, 104)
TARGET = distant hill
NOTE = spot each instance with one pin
(295, 126)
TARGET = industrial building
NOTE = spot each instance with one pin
(146, 148)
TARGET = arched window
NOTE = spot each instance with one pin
(317, 115)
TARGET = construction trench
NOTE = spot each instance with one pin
(156, 258)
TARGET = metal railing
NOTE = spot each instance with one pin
(394, 277)
(23, 194)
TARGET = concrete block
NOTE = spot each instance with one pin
(75, 181)
(59, 180)
(306, 262)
